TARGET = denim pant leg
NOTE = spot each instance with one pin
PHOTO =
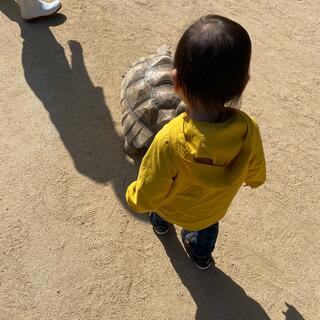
(204, 241)
(158, 220)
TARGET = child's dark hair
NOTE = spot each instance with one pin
(212, 61)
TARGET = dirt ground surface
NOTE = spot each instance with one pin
(69, 247)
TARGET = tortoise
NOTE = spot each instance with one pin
(148, 100)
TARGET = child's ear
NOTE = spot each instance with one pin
(175, 80)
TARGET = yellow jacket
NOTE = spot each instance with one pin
(193, 170)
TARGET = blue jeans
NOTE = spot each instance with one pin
(202, 242)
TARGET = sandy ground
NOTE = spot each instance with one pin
(69, 247)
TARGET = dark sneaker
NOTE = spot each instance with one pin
(160, 226)
(201, 263)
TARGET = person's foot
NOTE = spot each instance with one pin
(31, 9)
(159, 225)
(201, 263)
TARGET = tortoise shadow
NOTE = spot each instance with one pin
(76, 107)
(216, 295)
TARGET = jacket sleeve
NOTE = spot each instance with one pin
(256, 175)
(155, 177)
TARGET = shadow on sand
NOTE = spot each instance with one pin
(292, 313)
(216, 295)
(76, 107)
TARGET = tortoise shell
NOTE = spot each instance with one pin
(148, 100)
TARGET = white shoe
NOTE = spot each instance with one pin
(31, 9)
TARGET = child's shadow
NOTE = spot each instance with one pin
(76, 107)
(215, 294)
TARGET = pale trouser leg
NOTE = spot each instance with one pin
(31, 9)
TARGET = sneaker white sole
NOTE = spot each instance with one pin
(159, 232)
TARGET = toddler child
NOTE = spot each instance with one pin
(199, 160)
